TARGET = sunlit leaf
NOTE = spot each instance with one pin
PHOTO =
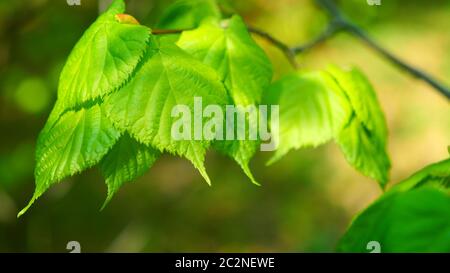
(228, 47)
(363, 139)
(168, 77)
(243, 66)
(186, 14)
(102, 60)
(78, 140)
(313, 110)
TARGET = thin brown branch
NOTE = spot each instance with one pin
(288, 52)
(338, 22)
(331, 30)
(345, 24)
(167, 31)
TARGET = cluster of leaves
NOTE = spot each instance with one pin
(120, 83)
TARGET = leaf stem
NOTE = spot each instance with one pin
(288, 51)
(167, 31)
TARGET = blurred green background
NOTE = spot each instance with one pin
(306, 200)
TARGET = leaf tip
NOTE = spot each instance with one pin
(106, 202)
(272, 160)
(249, 174)
(383, 184)
(203, 173)
(109, 195)
(25, 209)
(208, 181)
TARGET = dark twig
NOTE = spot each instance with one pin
(167, 31)
(415, 72)
(289, 52)
(331, 30)
(338, 22)
(350, 27)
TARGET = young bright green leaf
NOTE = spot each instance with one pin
(317, 107)
(363, 99)
(243, 66)
(186, 14)
(228, 47)
(126, 161)
(437, 174)
(102, 60)
(168, 77)
(79, 140)
(363, 139)
(412, 221)
(312, 110)
(364, 151)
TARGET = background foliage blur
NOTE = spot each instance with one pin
(307, 199)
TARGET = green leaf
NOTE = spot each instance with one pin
(412, 221)
(363, 99)
(103, 59)
(317, 107)
(411, 217)
(79, 140)
(364, 152)
(126, 161)
(312, 110)
(437, 174)
(186, 14)
(168, 77)
(243, 66)
(363, 139)
(228, 47)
